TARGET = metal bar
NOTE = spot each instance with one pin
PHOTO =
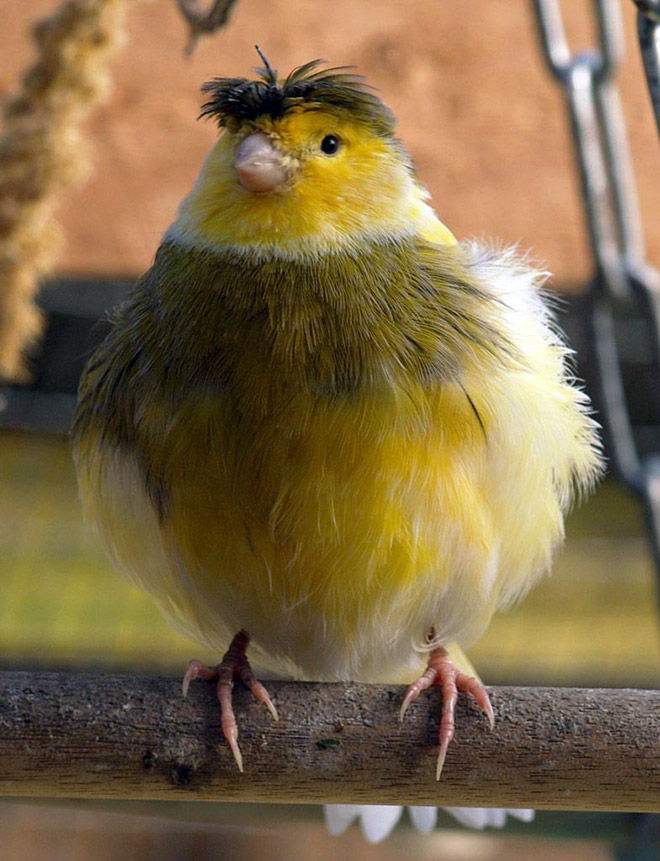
(596, 188)
(552, 36)
(622, 177)
(610, 37)
(602, 336)
(648, 30)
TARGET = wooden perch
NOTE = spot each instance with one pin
(102, 736)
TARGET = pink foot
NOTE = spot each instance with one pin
(441, 671)
(234, 665)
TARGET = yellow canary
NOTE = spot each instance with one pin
(322, 425)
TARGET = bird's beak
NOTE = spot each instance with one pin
(260, 167)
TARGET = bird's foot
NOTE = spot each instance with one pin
(234, 665)
(442, 672)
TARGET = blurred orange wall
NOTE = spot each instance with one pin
(484, 122)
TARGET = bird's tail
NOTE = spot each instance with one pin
(378, 820)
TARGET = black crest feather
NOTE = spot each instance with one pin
(233, 101)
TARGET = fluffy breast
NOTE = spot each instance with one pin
(338, 549)
(338, 491)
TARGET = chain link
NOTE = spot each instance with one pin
(622, 280)
(648, 30)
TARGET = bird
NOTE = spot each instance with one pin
(321, 429)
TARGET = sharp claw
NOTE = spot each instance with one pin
(261, 693)
(193, 671)
(187, 679)
(490, 714)
(483, 701)
(441, 759)
(228, 724)
(415, 690)
(404, 705)
(235, 749)
(271, 708)
(480, 694)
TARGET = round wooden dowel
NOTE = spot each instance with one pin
(110, 736)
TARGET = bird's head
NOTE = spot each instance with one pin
(307, 162)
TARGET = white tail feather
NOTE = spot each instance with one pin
(423, 818)
(339, 816)
(487, 817)
(378, 820)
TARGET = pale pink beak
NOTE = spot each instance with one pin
(258, 164)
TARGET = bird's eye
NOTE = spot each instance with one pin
(330, 144)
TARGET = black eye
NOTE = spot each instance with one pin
(330, 144)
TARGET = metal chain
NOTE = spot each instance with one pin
(648, 30)
(622, 278)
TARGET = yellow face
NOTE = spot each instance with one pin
(332, 194)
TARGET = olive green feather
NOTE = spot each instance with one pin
(331, 326)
